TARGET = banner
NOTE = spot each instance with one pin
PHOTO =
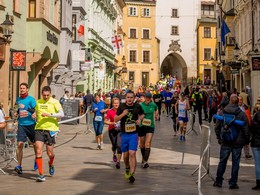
(18, 60)
(87, 66)
(78, 55)
(101, 70)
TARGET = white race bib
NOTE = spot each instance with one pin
(157, 100)
(130, 127)
(23, 113)
(123, 101)
(147, 122)
(168, 98)
(98, 118)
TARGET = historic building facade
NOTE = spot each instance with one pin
(175, 28)
(140, 43)
(208, 68)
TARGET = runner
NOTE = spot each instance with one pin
(168, 97)
(181, 107)
(99, 108)
(174, 113)
(26, 107)
(130, 114)
(114, 132)
(157, 98)
(48, 110)
(147, 128)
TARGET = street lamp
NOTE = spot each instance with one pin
(7, 27)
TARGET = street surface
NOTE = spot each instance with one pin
(81, 169)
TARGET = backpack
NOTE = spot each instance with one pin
(228, 130)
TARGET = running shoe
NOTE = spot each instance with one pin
(145, 165)
(18, 169)
(98, 147)
(40, 178)
(131, 178)
(35, 167)
(183, 138)
(118, 165)
(101, 146)
(114, 158)
(180, 138)
(127, 173)
(51, 170)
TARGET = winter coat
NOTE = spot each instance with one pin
(255, 141)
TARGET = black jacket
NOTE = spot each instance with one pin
(255, 142)
(243, 132)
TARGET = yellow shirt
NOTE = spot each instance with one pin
(50, 106)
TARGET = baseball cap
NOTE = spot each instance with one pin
(148, 95)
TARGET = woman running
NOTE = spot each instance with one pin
(114, 132)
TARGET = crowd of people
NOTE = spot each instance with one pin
(131, 115)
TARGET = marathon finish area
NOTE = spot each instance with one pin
(81, 169)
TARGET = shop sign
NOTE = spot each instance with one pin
(18, 60)
(255, 63)
(52, 38)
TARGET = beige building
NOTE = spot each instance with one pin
(140, 44)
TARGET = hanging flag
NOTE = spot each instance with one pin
(224, 31)
(117, 42)
(80, 28)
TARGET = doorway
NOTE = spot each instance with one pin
(145, 79)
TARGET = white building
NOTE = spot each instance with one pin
(176, 29)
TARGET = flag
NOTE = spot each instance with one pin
(117, 42)
(224, 31)
(80, 28)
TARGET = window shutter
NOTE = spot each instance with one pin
(143, 12)
(129, 11)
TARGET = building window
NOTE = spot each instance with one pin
(207, 54)
(146, 12)
(131, 76)
(207, 32)
(132, 56)
(132, 11)
(146, 34)
(133, 33)
(207, 10)
(146, 56)
(174, 13)
(175, 30)
(32, 9)
(74, 28)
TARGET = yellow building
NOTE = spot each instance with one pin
(140, 44)
(208, 68)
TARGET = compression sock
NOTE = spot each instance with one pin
(142, 152)
(147, 154)
(51, 160)
(39, 163)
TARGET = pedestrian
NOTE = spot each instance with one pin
(26, 124)
(157, 98)
(197, 105)
(204, 104)
(181, 108)
(88, 100)
(212, 105)
(48, 111)
(174, 115)
(130, 115)
(168, 96)
(99, 108)
(114, 131)
(233, 146)
(255, 145)
(147, 128)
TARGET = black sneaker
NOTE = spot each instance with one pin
(234, 187)
(131, 179)
(217, 185)
(145, 165)
(18, 169)
(118, 165)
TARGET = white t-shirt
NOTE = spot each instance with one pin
(2, 118)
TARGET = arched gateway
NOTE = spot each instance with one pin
(174, 64)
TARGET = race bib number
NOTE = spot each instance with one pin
(168, 98)
(157, 100)
(98, 118)
(130, 128)
(23, 113)
(147, 122)
(123, 101)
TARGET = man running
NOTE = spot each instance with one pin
(147, 129)
(181, 108)
(130, 114)
(26, 123)
(157, 98)
(48, 110)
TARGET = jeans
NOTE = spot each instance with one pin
(199, 109)
(224, 155)
(256, 153)
(98, 127)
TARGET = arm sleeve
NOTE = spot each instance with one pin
(60, 114)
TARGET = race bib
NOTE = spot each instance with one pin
(168, 98)
(123, 101)
(98, 118)
(130, 128)
(23, 113)
(147, 122)
(157, 100)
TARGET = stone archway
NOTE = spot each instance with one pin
(174, 64)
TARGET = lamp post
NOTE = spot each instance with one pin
(7, 27)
